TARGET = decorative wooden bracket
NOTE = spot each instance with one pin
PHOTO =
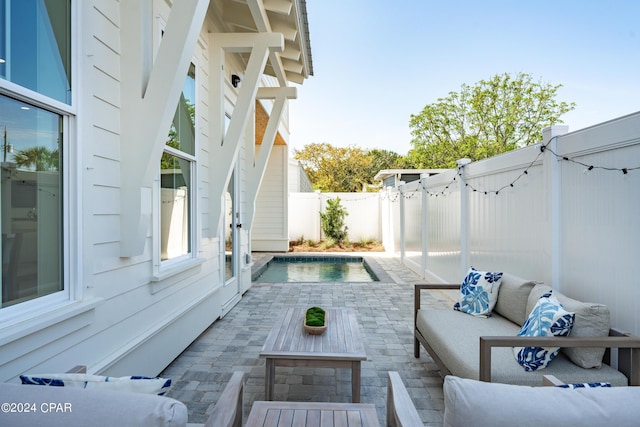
(149, 93)
(256, 166)
(224, 148)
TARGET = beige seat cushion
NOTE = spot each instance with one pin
(512, 298)
(454, 336)
(481, 404)
(89, 407)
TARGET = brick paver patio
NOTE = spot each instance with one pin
(385, 316)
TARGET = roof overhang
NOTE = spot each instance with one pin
(288, 17)
(386, 173)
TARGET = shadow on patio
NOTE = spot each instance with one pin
(385, 316)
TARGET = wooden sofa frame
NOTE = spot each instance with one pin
(401, 411)
(628, 345)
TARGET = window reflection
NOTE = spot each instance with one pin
(176, 168)
(228, 231)
(35, 46)
(30, 200)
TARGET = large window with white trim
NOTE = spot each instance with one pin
(35, 62)
(35, 46)
(177, 168)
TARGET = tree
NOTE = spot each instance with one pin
(493, 116)
(344, 169)
(335, 169)
(332, 220)
(38, 158)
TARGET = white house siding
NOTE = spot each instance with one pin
(270, 231)
(298, 179)
(125, 316)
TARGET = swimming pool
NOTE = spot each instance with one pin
(315, 269)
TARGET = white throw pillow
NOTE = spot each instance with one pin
(547, 318)
(479, 292)
(137, 384)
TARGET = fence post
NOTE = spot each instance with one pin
(424, 221)
(554, 192)
(464, 218)
(402, 221)
(318, 218)
(387, 226)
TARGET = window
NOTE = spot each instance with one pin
(30, 200)
(35, 46)
(35, 56)
(177, 167)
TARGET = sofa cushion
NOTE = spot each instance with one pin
(592, 320)
(137, 384)
(70, 406)
(547, 318)
(479, 292)
(523, 406)
(454, 337)
(512, 298)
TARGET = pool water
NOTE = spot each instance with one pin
(303, 269)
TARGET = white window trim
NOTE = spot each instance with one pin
(166, 269)
(18, 319)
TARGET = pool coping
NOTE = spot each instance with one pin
(260, 265)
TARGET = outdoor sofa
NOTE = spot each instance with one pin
(481, 348)
(31, 405)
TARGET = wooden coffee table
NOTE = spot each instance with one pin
(339, 347)
(329, 414)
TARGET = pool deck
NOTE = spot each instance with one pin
(385, 315)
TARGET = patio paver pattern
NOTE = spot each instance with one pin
(385, 316)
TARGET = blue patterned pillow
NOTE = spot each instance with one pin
(547, 318)
(584, 385)
(135, 384)
(479, 292)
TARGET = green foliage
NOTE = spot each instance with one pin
(493, 116)
(38, 158)
(315, 316)
(332, 220)
(344, 169)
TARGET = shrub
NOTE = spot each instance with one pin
(332, 220)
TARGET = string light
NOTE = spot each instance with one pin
(545, 147)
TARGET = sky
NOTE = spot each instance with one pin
(377, 62)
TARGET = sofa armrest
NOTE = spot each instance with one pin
(401, 411)
(418, 287)
(551, 380)
(228, 409)
(622, 342)
(429, 287)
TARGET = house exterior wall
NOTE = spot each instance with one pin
(298, 179)
(270, 231)
(125, 315)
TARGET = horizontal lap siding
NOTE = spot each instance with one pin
(271, 203)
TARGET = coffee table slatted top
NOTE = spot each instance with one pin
(329, 414)
(341, 339)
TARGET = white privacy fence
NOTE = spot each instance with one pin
(363, 219)
(565, 212)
